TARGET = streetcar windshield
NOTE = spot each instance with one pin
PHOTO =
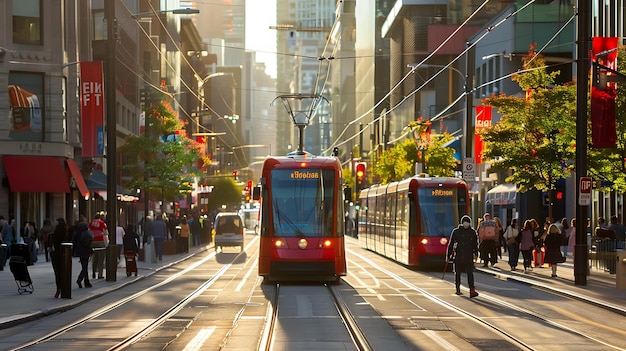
(302, 202)
(440, 210)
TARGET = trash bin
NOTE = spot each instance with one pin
(620, 276)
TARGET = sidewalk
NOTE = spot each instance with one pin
(601, 288)
(18, 308)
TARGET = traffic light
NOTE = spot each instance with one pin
(248, 190)
(360, 173)
(235, 175)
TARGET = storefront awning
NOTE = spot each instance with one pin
(78, 178)
(97, 182)
(41, 174)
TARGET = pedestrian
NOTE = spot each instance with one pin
(184, 233)
(8, 237)
(131, 240)
(146, 228)
(539, 252)
(488, 236)
(83, 249)
(565, 229)
(53, 247)
(527, 244)
(119, 239)
(463, 251)
(571, 242)
(46, 229)
(29, 235)
(510, 236)
(195, 228)
(620, 232)
(500, 235)
(553, 241)
(100, 241)
(159, 232)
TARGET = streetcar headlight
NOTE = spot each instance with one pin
(443, 241)
(279, 243)
(424, 241)
(302, 243)
(327, 243)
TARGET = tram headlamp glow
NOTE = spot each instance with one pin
(424, 241)
(327, 243)
(303, 244)
(443, 241)
(303, 164)
(279, 243)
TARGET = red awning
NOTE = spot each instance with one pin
(36, 174)
(78, 178)
(42, 174)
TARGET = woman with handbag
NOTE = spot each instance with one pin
(553, 241)
(512, 245)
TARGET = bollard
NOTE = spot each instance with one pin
(620, 271)
(4, 250)
(111, 263)
(66, 270)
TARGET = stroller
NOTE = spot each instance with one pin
(20, 257)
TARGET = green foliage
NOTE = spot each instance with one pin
(535, 138)
(166, 168)
(225, 192)
(399, 162)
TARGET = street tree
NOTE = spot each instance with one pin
(535, 138)
(226, 192)
(399, 161)
(163, 161)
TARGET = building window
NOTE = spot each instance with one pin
(27, 22)
(26, 91)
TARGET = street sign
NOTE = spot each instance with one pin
(584, 191)
(469, 169)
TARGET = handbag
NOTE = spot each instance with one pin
(511, 241)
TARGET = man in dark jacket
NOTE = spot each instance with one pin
(463, 251)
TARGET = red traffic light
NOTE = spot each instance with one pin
(360, 170)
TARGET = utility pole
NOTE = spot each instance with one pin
(111, 135)
(582, 72)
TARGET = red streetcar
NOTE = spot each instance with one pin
(410, 221)
(301, 220)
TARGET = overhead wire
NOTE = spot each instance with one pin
(399, 83)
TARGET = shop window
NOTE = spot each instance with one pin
(27, 22)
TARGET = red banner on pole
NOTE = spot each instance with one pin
(483, 120)
(603, 132)
(92, 108)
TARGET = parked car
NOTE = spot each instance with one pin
(228, 230)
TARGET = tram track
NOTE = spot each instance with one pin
(493, 302)
(356, 335)
(151, 325)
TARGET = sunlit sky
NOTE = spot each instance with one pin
(260, 15)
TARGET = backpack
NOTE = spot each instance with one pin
(86, 238)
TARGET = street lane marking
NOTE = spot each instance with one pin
(198, 341)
